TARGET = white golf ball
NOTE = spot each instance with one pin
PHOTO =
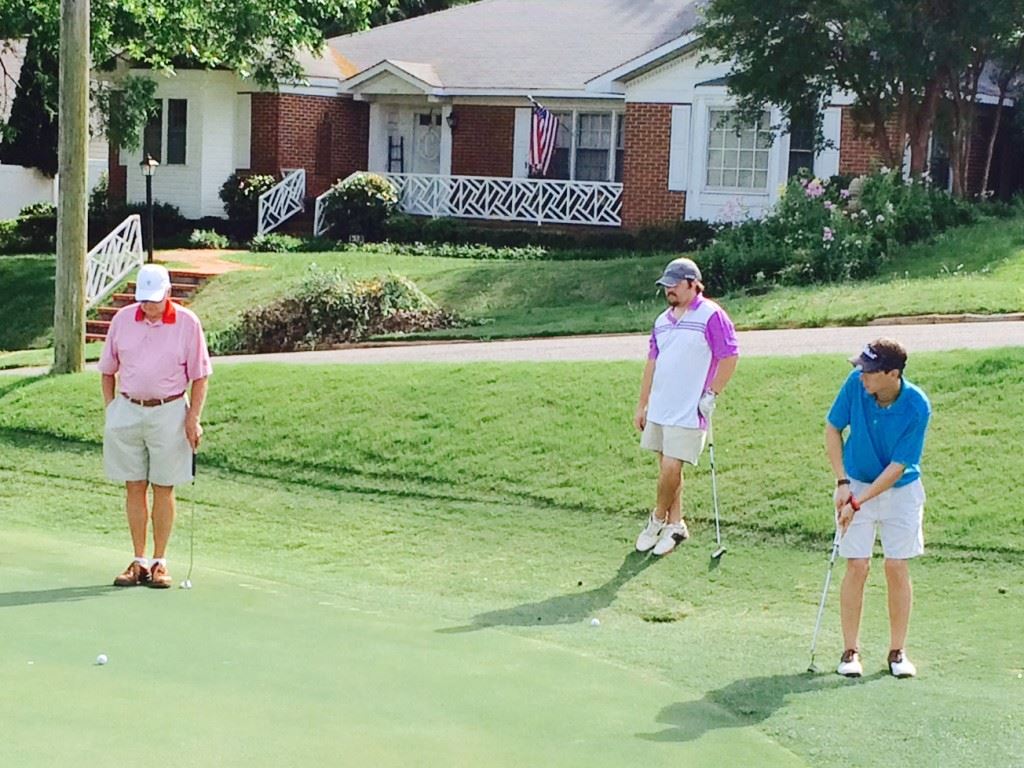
(595, 622)
(101, 659)
(1019, 675)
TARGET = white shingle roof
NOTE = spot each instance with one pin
(515, 44)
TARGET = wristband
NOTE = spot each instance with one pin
(854, 504)
(842, 481)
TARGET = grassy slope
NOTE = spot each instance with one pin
(973, 269)
(490, 510)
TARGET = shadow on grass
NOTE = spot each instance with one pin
(563, 609)
(742, 703)
(63, 595)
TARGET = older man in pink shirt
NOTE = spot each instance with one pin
(155, 351)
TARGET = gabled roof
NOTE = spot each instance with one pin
(516, 45)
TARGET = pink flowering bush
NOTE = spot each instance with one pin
(827, 230)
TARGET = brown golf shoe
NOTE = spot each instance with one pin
(135, 575)
(159, 578)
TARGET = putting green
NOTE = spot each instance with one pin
(243, 672)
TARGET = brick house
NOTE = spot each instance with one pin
(441, 105)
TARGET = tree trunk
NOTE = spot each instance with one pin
(73, 159)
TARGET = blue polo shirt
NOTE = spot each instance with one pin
(879, 436)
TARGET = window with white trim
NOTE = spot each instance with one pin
(737, 154)
(584, 149)
(168, 126)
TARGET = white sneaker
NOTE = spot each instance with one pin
(670, 536)
(900, 665)
(849, 664)
(649, 535)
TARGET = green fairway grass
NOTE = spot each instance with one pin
(458, 527)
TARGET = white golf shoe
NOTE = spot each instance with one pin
(849, 664)
(671, 535)
(649, 535)
(900, 665)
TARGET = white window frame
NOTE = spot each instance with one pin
(164, 125)
(712, 128)
(617, 117)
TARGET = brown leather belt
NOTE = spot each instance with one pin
(155, 401)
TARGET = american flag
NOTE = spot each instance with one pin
(543, 132)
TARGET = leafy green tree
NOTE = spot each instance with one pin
(898, 58)
(31, 135)
(256, 38)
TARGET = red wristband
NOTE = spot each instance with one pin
(854, 504)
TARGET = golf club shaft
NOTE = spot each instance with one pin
(714, 482)
(192, 524)
(824, 592)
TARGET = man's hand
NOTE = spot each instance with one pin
(841, 496)
(193, 432)
(706, 405)
(640, 418)
(844, 517)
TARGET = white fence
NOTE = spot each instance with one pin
(282, 201)
(113, 257)
(538, 201)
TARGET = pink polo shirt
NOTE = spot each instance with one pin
(155, 360)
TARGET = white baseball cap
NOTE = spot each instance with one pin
(152, 283)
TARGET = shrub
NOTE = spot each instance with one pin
(241, 197)
(207, 238)
(328, 308)
(98, 198)
(10, 242)
(36, 227)
(822, 231)
(360, 205)
(274, 242)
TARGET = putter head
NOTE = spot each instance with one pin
(717, 554)
(186, 584)
(813, 668)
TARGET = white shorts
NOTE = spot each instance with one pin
(681, 443)
(142, 443)
(897, 515)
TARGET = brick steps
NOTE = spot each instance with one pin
(185, 283)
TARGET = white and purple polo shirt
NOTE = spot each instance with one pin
(687, 351)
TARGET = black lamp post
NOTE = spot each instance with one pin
(148, 167)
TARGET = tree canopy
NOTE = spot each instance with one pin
(900, 59)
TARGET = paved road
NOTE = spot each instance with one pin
(799, 341)
(790, 342)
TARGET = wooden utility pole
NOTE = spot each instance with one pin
(73, 197)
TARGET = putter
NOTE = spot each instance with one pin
(824, 593)
(717, 554)
(187, 583)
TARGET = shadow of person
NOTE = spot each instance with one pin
(741, 703)
(562, 609)
(62, 595)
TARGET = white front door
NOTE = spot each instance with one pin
(426, 142)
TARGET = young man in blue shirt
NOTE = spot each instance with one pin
(878, 486)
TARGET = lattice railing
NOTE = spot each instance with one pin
(113, 257)
(282, 201)
(540, 201)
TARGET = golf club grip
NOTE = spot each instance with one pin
(193, 465)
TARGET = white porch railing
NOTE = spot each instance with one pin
(113, 257)
(538, 201)
(282, 201)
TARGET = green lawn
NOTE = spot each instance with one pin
(478, 534)
(973, 269)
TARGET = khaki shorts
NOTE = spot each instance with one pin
(142, 443)
(681, 443)
(896, 515)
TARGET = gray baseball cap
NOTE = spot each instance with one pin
(677, 271)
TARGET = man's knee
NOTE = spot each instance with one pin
(897, 569)
(671, 466)
(858, 568)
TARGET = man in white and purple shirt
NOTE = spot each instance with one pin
(154, 352)
(693, 354)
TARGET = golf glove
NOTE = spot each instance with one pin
(706, 406)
